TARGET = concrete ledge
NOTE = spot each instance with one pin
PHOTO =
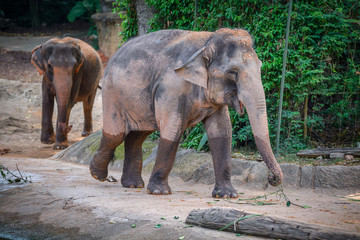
(198, 167)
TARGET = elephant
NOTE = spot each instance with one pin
(170, 80)
(71, 72)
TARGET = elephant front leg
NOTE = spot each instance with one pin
(165, 158)
(171, 129)
(47, 129)
(88, 106)
(218, 129)
(133, 161)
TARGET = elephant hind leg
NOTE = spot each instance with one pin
(133, 161)
(103, 156)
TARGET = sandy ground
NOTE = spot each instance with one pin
(20, 119)
(64, 197)
(64, 202)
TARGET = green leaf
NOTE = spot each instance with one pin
(288, 203)
(202, 141)
(158, 226)
(77, 11)
(163, 218)
(133, 225)
(176, 217)
(182, 237)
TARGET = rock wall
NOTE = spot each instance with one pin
(198, 167)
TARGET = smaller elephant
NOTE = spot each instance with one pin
(71, 72)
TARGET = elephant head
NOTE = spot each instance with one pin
(228, 69)
(60, 61)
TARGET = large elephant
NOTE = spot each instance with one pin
(72, 71)
(170, 80)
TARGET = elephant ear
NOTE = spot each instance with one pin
(79, 58)
(194, 70)
(37, 59)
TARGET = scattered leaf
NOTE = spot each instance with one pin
(163, 218)
(112, 222)
(305, 206)
(158, 226)
(182, 237)
(176, 217)
(288, 203)
(239, 234)
(133, 225)
(188, 226)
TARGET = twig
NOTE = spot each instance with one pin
(21, 178)
(237, 220)
(279, 193)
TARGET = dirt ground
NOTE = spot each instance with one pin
(64, 202)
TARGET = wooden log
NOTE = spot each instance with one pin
(264, 226)
(327, 151)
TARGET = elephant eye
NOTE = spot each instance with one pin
(232, 74)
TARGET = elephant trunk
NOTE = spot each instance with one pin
(63, 83)
(256, 109)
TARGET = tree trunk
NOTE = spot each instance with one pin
(143, 14)
(264, 226)
(34, 13)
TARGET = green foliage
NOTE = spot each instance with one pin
(195, 137)
(322, 66)
(127, 12)
(83, 9)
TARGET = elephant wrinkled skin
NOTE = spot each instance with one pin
(170, 80)
(71, 72)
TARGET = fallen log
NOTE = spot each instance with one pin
(327, 151)
(265, 226)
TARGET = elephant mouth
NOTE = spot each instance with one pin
(231, 99)
(64, 128)
(238, 105)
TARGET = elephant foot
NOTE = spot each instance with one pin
(60, 146)
(132, 182)
(86, 133)
(99, 171)
(48, 139)
(159, 188)
(226, 191)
